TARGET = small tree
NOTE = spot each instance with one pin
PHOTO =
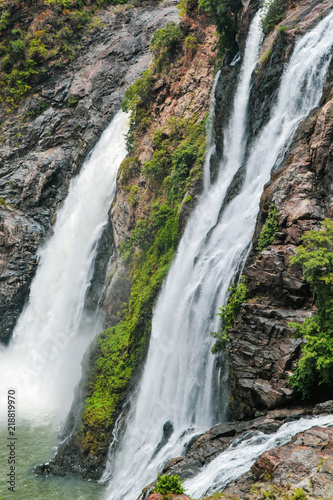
(228, 315)
(169, 484)
(316, 257)
(269, 229)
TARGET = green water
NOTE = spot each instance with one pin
(35, 444)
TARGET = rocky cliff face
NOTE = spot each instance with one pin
(262, 352)
(45, 141)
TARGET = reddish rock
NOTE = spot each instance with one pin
(306, 462)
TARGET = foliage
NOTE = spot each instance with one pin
(138, 95)
(169, 484)
(191, 42)
(316, 365)
(299, 494)
(265, 56)
(137, 98)
(275, 12)
(164, 43)
(269, 229)
(224, 13)
(228, 314)
(72, 101)
(30, 51)
(148, 253)
(282, 29)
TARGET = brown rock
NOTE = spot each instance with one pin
(156, 496)
(306, 462)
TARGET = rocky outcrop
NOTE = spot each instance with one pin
(305, 463)
(262, 351)
(44, 143)
(203, 449)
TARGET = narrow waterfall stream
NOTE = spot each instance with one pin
(174, 400)
(240, 456)
(42, 362)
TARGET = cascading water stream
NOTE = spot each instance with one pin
(175, 393)
(43, 360)
(176, 389)
(243, 452)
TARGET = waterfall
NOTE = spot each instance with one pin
(174, 399)
(175, 396)
(42, 363)
(242, 454)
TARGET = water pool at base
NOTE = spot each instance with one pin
(32, 447)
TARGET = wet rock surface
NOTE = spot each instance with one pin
(209, 445)
(305, 463)
(44, 143)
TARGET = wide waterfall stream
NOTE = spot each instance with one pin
(43, 360)
(176, 398)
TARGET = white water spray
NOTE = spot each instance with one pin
(176, 386)
(242, 454)
(42, 363)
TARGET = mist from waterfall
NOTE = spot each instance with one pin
(42, 362)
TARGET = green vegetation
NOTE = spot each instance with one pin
(262, 492)
(269, 229)
(136, 102)
(265, 56)
(275, 12)
(72, 102)
(28, 55)
(178, 151)
(148, 253)
(228, 314)
(169, 484)
(163, 44)
(224, 14)
(191, 42)
(316, 365)
(282, 29)
(176, 162)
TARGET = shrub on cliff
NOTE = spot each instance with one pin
(164, 42)
(269, 229)
(275, 12)
(316, 365)
(224, 13)
(228, 315)
(58, 37)
(169, 484)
